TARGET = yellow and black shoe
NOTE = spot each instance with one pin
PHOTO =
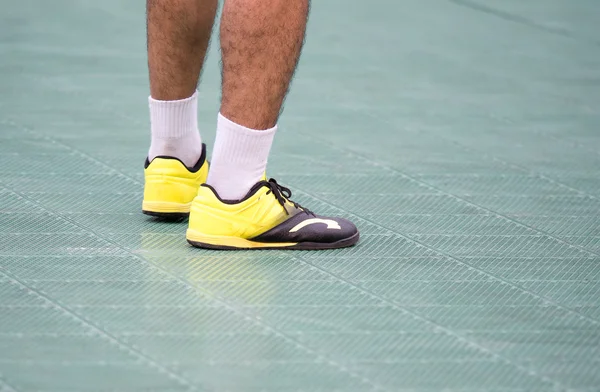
(266, 218)
(170, 186)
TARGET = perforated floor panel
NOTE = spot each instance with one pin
(462, 137)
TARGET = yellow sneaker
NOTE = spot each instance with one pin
(264, 219)
(170, 186)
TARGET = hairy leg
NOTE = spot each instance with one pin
(261, 43)
(178, 33)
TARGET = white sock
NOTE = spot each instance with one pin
(174, 129)
(239, 158)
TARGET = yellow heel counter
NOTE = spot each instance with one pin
(170, 187)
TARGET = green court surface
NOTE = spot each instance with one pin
(462, 137)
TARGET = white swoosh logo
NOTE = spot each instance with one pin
(331, 224)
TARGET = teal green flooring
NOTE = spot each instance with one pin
(462, 137)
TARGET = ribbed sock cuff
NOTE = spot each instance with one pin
(174, 119)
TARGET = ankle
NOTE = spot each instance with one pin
(239, 158)
(174, 129)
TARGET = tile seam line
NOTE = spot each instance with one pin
(4, 385)
(462, 262)
(339, 367)
(458, 198)
(516, 18)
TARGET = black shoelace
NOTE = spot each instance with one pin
(282, 194)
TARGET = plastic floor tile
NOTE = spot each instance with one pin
(460, 135)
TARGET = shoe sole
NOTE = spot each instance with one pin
(166, 211)
(234, 243)
(168, 216)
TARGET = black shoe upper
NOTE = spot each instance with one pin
(303, 225)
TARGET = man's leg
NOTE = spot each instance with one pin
(178, 37)
(261, 42)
